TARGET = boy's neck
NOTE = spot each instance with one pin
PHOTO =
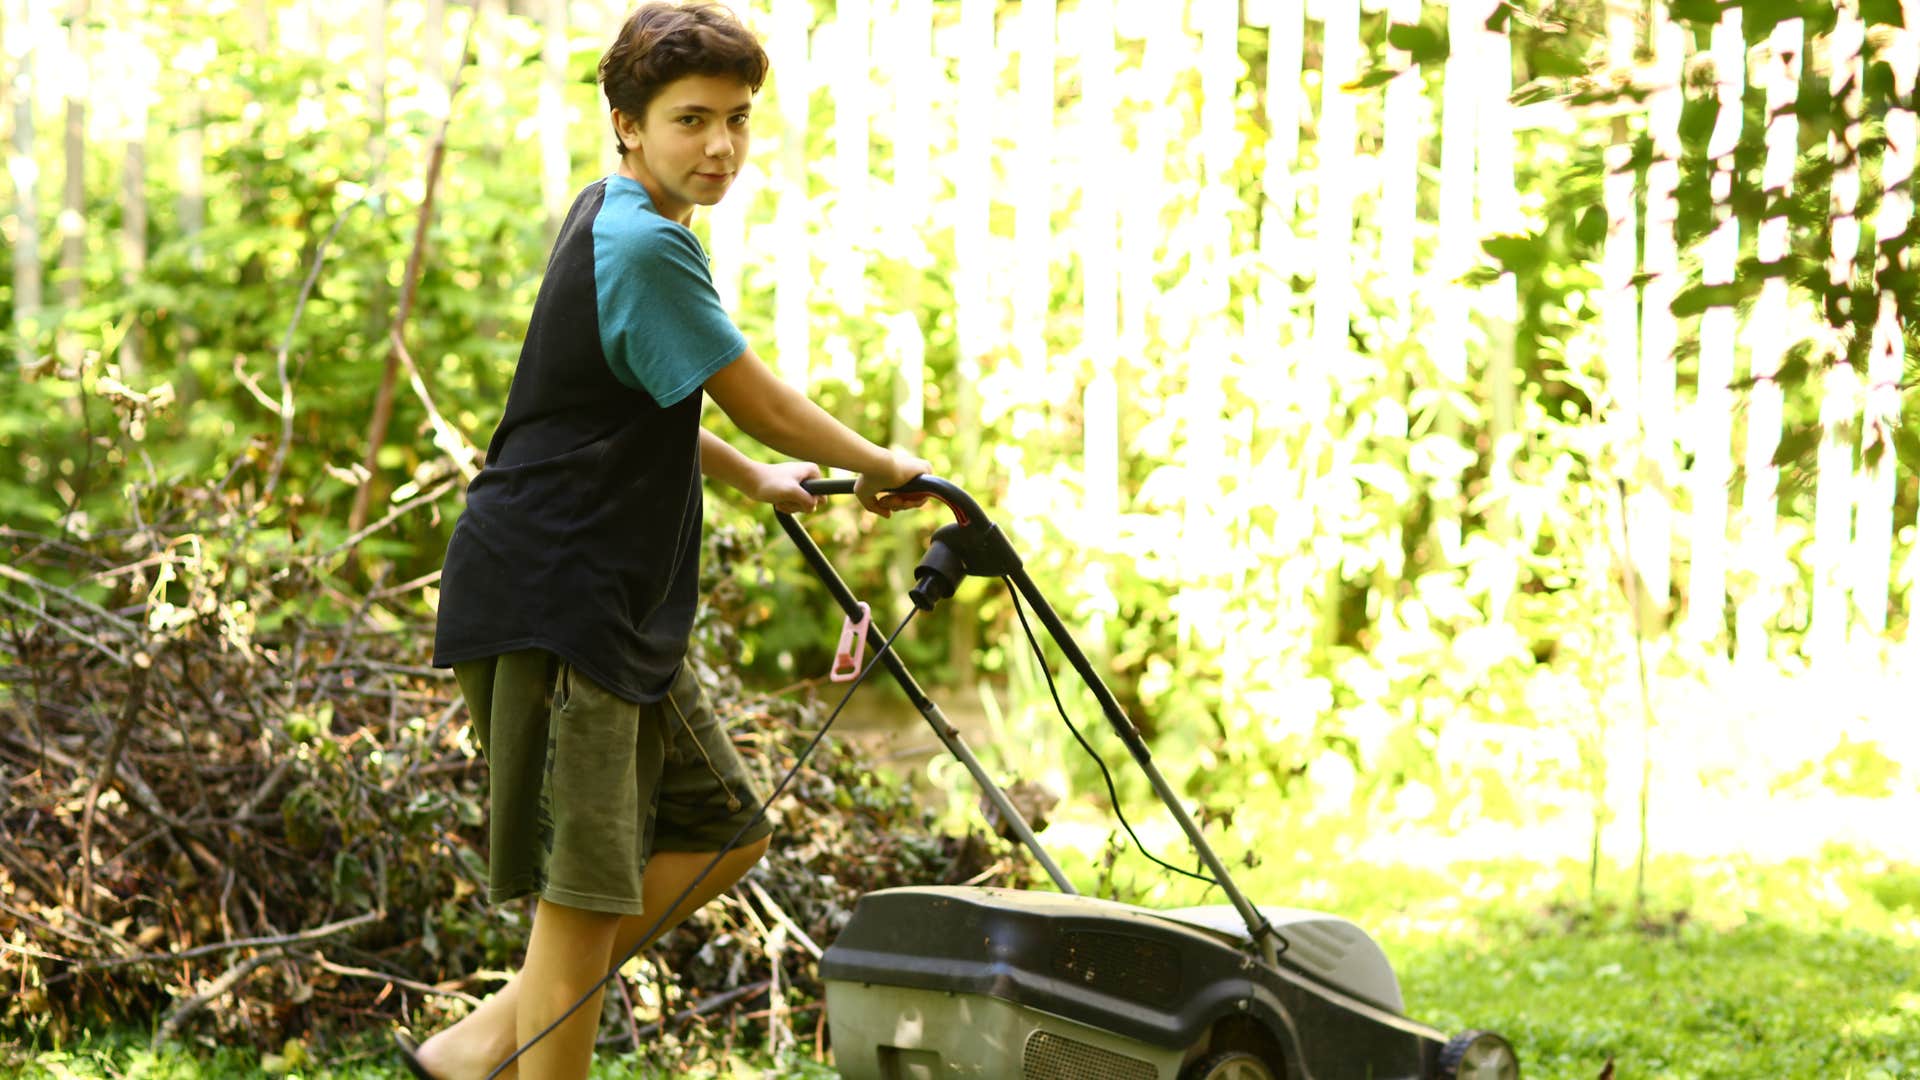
(627, 170)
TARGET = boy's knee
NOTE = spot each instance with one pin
(757, 850)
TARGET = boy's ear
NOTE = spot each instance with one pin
(627, 128)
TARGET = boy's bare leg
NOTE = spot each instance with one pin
(669, 872)
(469, 1049)
(564, 962)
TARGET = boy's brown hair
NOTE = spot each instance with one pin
(661, 42)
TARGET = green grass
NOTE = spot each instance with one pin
(1801, 969)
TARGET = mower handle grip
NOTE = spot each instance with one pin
(965, 510)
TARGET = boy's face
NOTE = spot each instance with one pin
(691, 143)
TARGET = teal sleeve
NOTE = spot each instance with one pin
(662, 325)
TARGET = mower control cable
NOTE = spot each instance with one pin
(1265, 929)
(1105, 773)
(758, 816)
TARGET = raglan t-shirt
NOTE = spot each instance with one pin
(581, 534)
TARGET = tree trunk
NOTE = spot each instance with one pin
(1659, 333)
(916, 77)
(142, 75)
(73, 203)
(376, 60)
(1099, 259)
(1033, 198)
(1455, 253)
(1873, 555)
(1499, 212)
(1155, 132)
(433, 42)
(1273, 293)
(1334, 177)
(1404, 120)
(1619, 260)
(556, 167)
(378, 314)
(1760, 553)
(972, 171)
(1711, 431)
(849, 75)
(1839, 409)
(22, 94)
(793, 260)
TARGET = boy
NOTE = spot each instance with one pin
(569, 589)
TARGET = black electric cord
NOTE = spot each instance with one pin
(760, 815)
(1105, 773)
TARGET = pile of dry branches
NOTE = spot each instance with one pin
(226, 818)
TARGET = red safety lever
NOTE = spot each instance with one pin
(853, 647)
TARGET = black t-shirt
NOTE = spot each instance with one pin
(581, 534)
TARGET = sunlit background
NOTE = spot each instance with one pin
(1476, 419)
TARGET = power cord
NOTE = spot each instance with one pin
(1105, 773)
(760, 815)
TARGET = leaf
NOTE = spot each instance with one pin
(1591, 228)
(1426, 41)
(1379, 76)
(1518, 253)
(1706, 12)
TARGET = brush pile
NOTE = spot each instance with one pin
(237, 806)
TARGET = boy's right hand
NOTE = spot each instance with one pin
(874, 488)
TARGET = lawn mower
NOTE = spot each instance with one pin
(957, 981)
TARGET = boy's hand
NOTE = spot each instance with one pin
(779, 485)
(873, 488)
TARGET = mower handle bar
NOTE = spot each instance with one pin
(965, 509)
(971, 521)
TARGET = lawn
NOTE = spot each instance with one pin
(1799, 968)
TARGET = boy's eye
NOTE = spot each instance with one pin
(689, 120)
(739, 119)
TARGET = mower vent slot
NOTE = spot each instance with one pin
(1056, 1057)
(1137, 969)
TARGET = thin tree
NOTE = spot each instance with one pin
(1209, 356)
(1650, 503)
(1619, 260)
(916, 78)
(556, 166)
(1712, 470)
(1033, 195)
(1499, 213)
(1099, 256)
(1839, 404)
(980, 65)
(1759, 553)
(1886, 361)
(848, 69)
(141, 72)
(793, 261)
(1405, 116)
(1456, 251)
(73, 201)
(1281, 97)
(189, 151)
(21, 91)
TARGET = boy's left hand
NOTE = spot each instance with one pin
(779, 485)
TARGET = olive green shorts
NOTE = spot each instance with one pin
(584, 786)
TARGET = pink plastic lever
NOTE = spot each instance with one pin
(853, 647)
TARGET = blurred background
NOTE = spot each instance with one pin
(1459, 432)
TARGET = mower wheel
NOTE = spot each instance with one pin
(1231, 1065)
(1479, 1055)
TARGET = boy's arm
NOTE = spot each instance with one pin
(776, 484)
(777, 416)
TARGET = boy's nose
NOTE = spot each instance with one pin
(721, 147)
